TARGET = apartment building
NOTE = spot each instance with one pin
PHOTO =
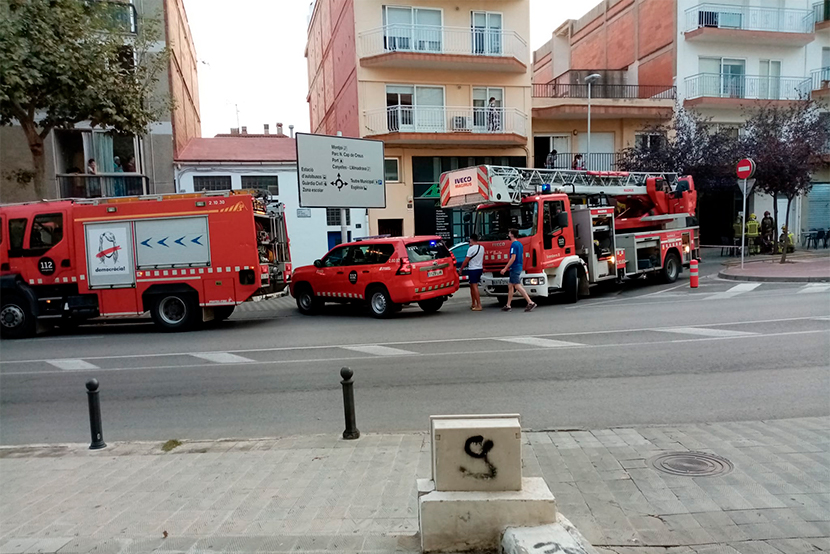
(722, 58)
(443, 84)
(125, 164)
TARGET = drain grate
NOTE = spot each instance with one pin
(691, 464)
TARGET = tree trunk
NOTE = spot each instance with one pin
(38, 158)
(775, 241)
(787, 233)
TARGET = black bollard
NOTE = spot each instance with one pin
(95, 415)
(351, 431)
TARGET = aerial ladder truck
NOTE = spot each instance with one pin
(578, 228)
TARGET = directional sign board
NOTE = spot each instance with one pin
(746, 168)
(340, 172)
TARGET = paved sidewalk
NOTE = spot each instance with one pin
(799, 269)
(320, 493)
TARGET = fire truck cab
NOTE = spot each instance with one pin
(577, 228)
(185, 258)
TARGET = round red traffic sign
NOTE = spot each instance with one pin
(746, 168)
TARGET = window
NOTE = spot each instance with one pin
(650, 141)
(487, 117)
(17, 230)
(47, 231)
(413, 29)
(411, 108)
(493, 223)
(391, 170)
(202, 183)
(770, 81)
(333, 216)
(335, 257)
(486, 33)
(369, 254)
(426, 251)
(261, 182)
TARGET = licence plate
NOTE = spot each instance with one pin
(498, 282)
(435, 273)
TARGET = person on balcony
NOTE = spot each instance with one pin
(550, 161)
(91, 167)
(493, 116)
(578, 163)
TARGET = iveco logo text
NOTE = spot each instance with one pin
(463, 181)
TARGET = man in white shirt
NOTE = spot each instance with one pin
(474, 262)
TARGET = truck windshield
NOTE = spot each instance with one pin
(493, 223)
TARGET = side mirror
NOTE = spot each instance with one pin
(561, 220)
(318, 263)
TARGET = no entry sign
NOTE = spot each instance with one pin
(746, 168)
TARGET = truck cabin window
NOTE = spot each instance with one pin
(493, 223)
(554, 219)
(47, 231)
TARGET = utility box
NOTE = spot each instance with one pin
(476, 453)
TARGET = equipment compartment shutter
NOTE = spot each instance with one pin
(818, 208)
(180, 242)
(109, 254)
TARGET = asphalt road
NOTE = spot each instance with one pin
(640, 354)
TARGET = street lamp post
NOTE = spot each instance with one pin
(590, 80)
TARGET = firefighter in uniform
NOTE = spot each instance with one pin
(753, 233)
(767, 233)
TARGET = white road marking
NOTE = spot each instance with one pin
(734, 291)
(379, 350)
(222, 357)
(541, 343)
(822, 318)
(72, 364)
(706, 332)
(814, 287)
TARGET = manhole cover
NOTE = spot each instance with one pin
(692, 464)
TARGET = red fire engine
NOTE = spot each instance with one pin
(185, 258)
(578, 228)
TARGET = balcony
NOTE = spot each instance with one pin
(435, 47)
(749, 25)
(597, 161)
(557, 100)
(719, 90)
(820, 79)
(821, 15)
(83, 185)
(447, 125)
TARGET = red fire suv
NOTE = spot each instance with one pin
(383, 272)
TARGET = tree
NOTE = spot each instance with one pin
(67, 61)
(692, 146)
(786, 142)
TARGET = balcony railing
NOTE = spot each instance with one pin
(820, 78)
(749, 18)
(755, 87)
(597, 161)
(440, 119)
(436, 39)
(821, 11)
(558, 90)
(83, 185)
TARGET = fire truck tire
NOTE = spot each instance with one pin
(432, 305)
(307, 303)
(570, 285)
(380, 303)
(221, 313)
(671, 268)
(175, 311)
(16, 318)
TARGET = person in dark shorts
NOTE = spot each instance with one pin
(474, 262)
(514, 265)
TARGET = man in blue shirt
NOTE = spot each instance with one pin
(514, 265)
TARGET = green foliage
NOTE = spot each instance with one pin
(170, 445)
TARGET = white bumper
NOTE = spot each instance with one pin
(536, 284)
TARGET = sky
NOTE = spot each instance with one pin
(251, 63)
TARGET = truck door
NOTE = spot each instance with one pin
(330, 279)
(45, 255)
(558, 240)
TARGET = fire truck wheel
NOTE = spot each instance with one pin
(432, 305)
(380, 303)
(570, 285)
(221, 313)
(671, 268)
(174, 311)
(307, 303)
(16, 318)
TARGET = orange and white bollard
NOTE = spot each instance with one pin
(693, 274)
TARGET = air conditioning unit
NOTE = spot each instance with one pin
(461, 124)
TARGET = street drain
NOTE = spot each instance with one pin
(692, 464)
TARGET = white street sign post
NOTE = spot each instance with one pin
(746, 169)
(340, 172)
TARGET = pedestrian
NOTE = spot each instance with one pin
(493, 116)
(578, 163)
(550, 161)
(514, 265)
(474, 262)
(91, 168)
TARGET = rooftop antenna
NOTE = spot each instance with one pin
(236, 106)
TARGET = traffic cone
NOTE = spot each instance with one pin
(693, 274)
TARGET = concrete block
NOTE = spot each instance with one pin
(560, 537)
(461, 521)
(477, 454)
